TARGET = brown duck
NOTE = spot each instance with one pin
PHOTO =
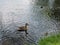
(24, 28)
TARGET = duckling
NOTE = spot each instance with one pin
(46, 33)
(24, 28)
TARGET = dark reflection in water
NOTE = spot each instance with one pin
(57, 3)
(27, 11)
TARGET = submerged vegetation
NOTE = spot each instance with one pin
(53, 13)
(51, 40)
(57, 3)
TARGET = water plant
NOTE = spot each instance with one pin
(50, 40)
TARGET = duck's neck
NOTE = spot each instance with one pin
(26, 26)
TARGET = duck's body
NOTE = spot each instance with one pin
(22, 28)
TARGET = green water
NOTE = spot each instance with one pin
(51, 40)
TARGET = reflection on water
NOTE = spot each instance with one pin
(51, 3)
(20, 12)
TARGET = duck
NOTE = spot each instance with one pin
(23, 28)
(46, 33)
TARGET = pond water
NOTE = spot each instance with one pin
(18, 12)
